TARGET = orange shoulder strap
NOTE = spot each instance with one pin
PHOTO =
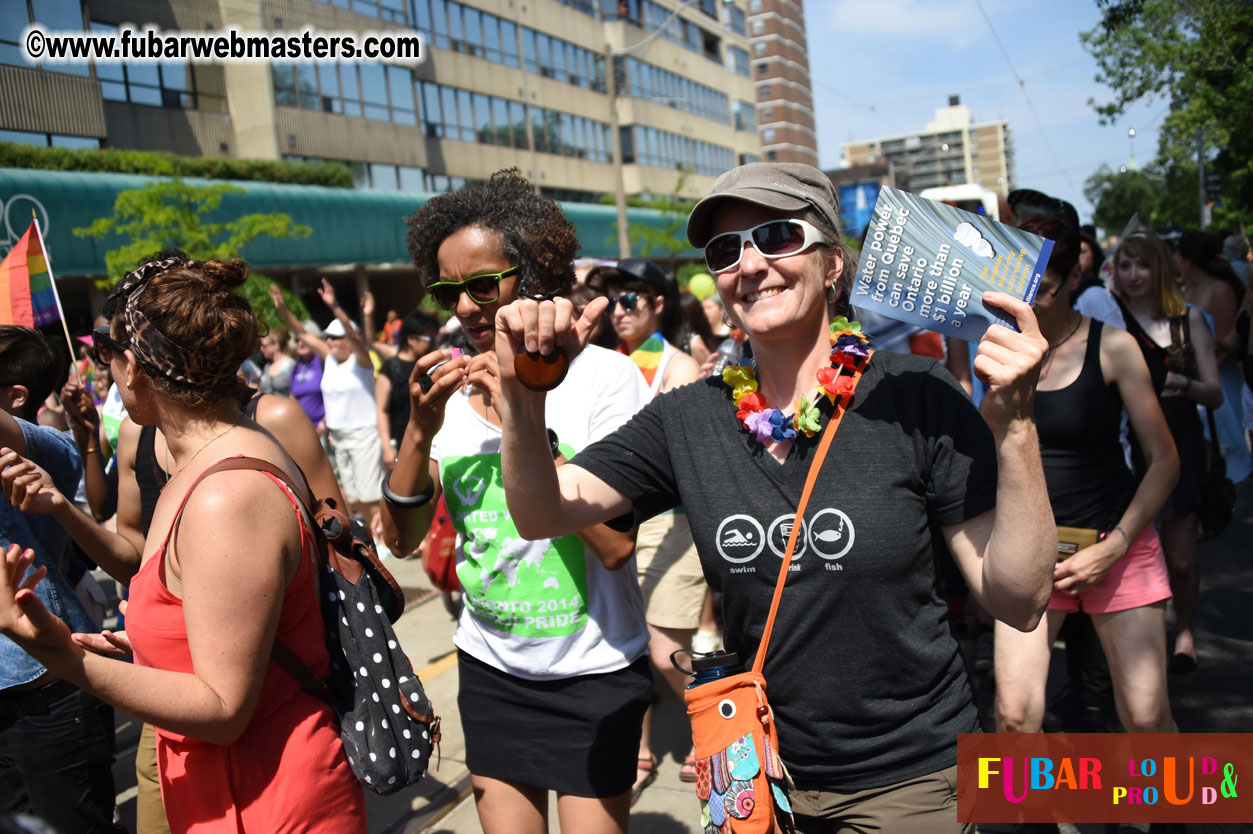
(828, 434)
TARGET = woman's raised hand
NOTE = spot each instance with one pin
(79, 408)
(23, 617)
(431, 386)
(276, 295)
(1009, 363)
(541, 327)
(327, 293)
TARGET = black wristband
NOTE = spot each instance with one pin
(553, 444)
(407, 502)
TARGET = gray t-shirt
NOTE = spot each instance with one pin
(864, 673)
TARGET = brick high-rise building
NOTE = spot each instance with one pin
(951, 150)
(785, 101)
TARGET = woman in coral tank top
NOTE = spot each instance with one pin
(227, 569)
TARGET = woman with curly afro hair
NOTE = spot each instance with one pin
(551, 639)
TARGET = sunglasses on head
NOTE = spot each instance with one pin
(482, 289)
(772, 239)
(629, 301)
(103, 346)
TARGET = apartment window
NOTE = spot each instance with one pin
(389, 10)
(738, 60)
(660, 149)
(55, 140)
(168, 84)
(651, 83)
(759, 27)
(736, 20)
(562, 61)
(767, 136)
(52, 15)
(754, 6)
(377, 92)
(762, 69)
(745, 115)
(759, 48)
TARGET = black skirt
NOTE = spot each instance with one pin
(578, 736)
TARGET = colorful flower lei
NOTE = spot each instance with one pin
(849, 346)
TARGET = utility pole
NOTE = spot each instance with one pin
(1200, 178)
(619, 184)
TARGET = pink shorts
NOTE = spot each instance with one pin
(1138, 579)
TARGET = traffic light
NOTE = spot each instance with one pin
(1213, 187)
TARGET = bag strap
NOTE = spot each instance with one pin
(1216, 450)
(828, 434)
(286, 659)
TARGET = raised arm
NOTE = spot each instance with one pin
(359, 351)
(1007, 553)
(295, 325)
(545, 502)
(85, 421)
(382, 347)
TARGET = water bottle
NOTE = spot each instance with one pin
(730, 352)
(709, 667)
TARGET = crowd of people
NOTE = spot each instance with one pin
(626, 508)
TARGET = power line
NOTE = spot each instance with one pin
(1022, 85)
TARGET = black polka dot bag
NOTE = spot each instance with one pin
(387, 724)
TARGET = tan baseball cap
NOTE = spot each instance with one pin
(785, 186)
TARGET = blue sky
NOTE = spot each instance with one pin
(905, 58)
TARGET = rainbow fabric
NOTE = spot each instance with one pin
(647, 357)
(26, 295)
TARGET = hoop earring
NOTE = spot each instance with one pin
(832, 294)
(727, 321)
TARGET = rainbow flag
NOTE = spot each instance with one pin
(26, 294)
(647, 356)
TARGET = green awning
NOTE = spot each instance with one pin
(350, 226)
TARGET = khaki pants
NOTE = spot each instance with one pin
(149, 812)
(925, 805)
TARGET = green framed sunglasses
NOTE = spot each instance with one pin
(482, 289)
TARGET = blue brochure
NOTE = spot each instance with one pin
(928, 264)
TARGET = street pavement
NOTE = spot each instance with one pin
(1218, 697)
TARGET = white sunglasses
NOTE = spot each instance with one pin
(772, 239)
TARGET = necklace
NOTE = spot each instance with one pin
(217, 436)
(1048, 354)
(849, 347)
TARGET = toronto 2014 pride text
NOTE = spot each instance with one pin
(1020, 776)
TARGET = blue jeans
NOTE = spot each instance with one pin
(56, 758)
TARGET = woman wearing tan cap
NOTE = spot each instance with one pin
(866, 683)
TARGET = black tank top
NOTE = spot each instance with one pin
(151, 475)
(1088, 481)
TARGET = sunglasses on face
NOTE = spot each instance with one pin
(482, 289)
(629, 301)
(772, 239)
(103, 346)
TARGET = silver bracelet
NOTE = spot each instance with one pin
(1126, 540)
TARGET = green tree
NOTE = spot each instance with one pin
(1194, 54)
(175, 214)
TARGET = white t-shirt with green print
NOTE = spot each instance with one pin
(540, 609)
